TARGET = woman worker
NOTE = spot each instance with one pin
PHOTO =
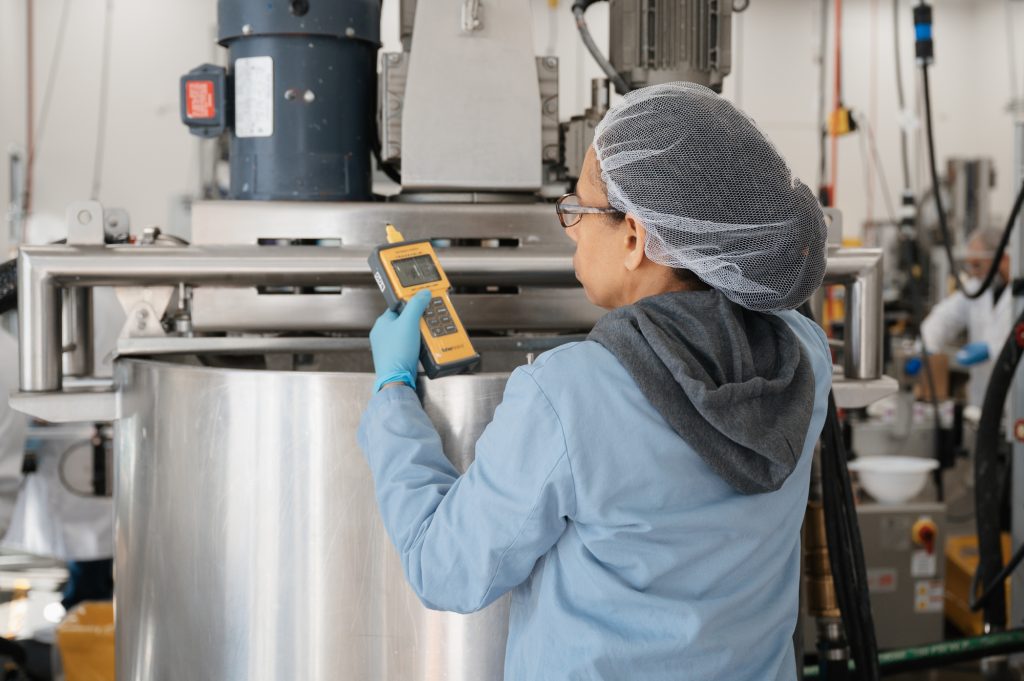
(640, 492)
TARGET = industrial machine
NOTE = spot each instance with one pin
(248, 542)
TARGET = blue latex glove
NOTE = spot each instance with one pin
(972, 353)
(395, 342)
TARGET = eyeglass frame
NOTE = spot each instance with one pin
(561, 210)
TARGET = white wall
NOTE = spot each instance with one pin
(150, 157)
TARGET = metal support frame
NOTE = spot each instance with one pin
(859, 270)
(55, 314)
(43, 271)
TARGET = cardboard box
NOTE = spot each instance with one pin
(940, 375)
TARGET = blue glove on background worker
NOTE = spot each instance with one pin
(395, 342)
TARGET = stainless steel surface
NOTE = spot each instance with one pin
(859, 270)
(970, 196)
(547, 81)
(855, 394)
(470, 119)
(77, 332)
(84, 220)
(394, 71)
(901, 620)
(895, 576)
(39, 328)
(249, 545)
(658, 41)
(247, 222)
(357, 308)
(394, 75)
(579, 130)
(44, 269)
(834, 218)
(70, 405)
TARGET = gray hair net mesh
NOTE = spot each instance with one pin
(714, 194)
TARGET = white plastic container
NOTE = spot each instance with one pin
(893, 479)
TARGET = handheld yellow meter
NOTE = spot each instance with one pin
(404, 268)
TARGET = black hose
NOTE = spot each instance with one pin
(989, 474)
(846, 551)
(9, 285)
(993, 269)
(997, 583)
(583, 5)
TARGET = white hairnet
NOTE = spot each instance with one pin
(714, 194)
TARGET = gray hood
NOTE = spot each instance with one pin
(736, 385)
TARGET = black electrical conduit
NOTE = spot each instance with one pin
(943, 226)
(989, 475)
(845, 549)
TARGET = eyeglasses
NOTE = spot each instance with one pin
(570, 211)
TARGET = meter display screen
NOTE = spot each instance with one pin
(416, 270)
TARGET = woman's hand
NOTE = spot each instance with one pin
(395, 342)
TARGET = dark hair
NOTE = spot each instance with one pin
(688, 277)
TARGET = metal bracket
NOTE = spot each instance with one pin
(145, 308)
(89, 224)
(85, 223)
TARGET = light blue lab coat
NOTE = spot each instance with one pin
(627, 556)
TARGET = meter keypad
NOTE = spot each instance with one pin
(439, 318)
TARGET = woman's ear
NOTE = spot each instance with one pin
(635, 237)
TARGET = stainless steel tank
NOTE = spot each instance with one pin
(249, 546)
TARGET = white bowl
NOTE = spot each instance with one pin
(893, 479)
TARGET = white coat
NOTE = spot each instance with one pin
(984, 319)
(13, 427)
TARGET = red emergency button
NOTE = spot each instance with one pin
(924, 534)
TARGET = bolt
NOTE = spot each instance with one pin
(247, 29)
(350, 32)
(291, 94)
(308, 97)
(84, 217)
(550, 62)
(394, 58)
